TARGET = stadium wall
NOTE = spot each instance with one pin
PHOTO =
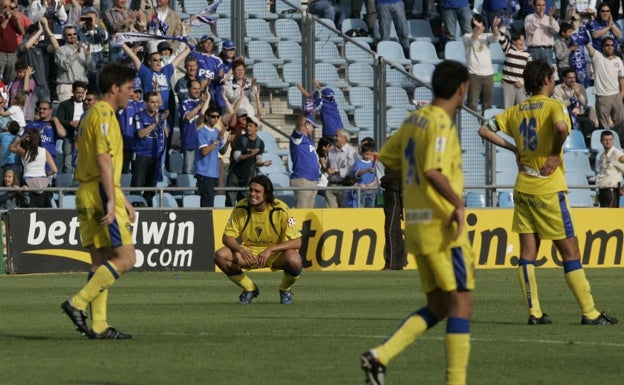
(44, 241)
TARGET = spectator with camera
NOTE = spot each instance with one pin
(95, 37)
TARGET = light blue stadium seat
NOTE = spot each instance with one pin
(276, 167)
(423, 72)
(280, 180)
(576, 161)
(259, 9)
(259, 29)
(591, 96)
(187, 180)
(396, 97)
(580, 198)
(285, 11)
(423, 95)
(497, 54)
(363, 118)
(420, 30)
(219, 201)
(223, 26)
(355, 54)
(455, 50)
(68, 202)
(341, 101)
(137, 200)
(360, 74)
(327, 52)
(225, 9)
(394, 118)
(506, 179)
(289, 51)
(575, 142)
(475, 199)
(287, 29)
(423, 52)
(506, 162)
(393, 52)
(396, 78)
(292, 73)
(167, 201)
(361, 96)
(327, 75)
(325, 34)
(191, 201)
(356, 24)
(261, 51)
(294, 98)
(505, 199)
(266, 74)
(197, 32)
(270, 144)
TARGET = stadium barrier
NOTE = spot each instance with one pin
(47, 240)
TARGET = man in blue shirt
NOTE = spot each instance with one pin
(151, 132)
(189, 113)
(126, 122)
(210, 140)
(306, 167)
(48, 126)
(209, 65)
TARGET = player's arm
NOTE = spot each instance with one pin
(105, 166)
(488, 132)
(554, 159)
(443, 187)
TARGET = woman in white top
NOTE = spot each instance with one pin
(35, 158)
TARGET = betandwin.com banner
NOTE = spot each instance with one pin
(333, 239)
(48, 240)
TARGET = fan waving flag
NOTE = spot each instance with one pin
(205, 16)
(133, 37)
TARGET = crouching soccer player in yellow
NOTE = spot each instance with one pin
(269, 238)
(539, 127)
(104, 214)
(426, 155)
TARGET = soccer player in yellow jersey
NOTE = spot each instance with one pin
(425, 154)
(104, 213)
(539, 127)
(269, 238)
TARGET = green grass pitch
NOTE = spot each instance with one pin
(188, 329)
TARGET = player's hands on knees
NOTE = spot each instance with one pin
(263, 257)
(248, 257)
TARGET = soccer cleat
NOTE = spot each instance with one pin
(78, 317)
(373, 369)
(602, 319)
(110, 334)
(247, 296)
(543, 320)
(286, 297)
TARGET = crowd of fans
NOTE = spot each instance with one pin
(51, 52)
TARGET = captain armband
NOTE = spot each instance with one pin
(492, 125)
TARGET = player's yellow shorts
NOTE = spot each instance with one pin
(91, 206)
(547, 215)
(269, 263)
(449, 270)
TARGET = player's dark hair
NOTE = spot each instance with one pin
(264, 181)
(534, 74)
(605, 133)
(447, 77)
(115, 74)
